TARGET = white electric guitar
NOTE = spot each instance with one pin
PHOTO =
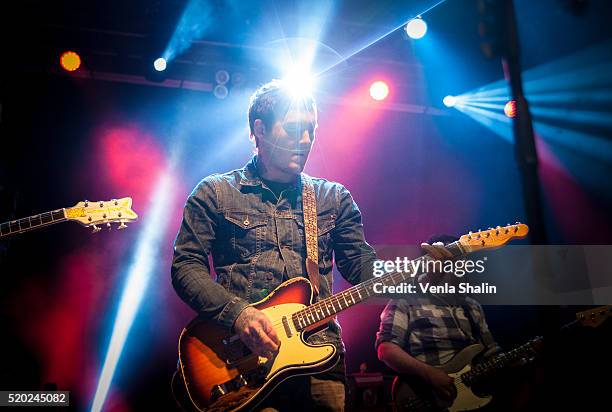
(411, 394)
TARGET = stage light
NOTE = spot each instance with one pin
(220, 91)
(449, 101)
(139, 273)
(70, 61)
(299, 82)
(379, 90)
(416, 28)
(510, 109)
(222, 76)
(160, 64)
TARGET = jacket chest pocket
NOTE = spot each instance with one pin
(324, 227)
(245, 231)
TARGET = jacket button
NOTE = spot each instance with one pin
(246, 222)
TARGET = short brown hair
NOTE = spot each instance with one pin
(271, 101)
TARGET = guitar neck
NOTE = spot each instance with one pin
(26, 224)
(501, 361)
(327, 308)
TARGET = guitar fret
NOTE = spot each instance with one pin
(45, 218)
(352, 298)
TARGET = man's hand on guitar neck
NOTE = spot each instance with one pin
(437, 251)
(255, 330)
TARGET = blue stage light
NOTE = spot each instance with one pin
(416, 28)
(160, 64)
(449, 101)
(299, 82)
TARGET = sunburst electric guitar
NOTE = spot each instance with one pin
(219, 372)
(411, 394)
(90, 214)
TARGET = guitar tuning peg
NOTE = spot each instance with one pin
(122, 226)
(96, 229)
(108, 226)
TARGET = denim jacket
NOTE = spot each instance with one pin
(257, 241)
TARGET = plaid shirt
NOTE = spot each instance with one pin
(432, 330)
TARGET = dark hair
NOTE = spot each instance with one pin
(272, 101)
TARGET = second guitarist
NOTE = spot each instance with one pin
(420, 334)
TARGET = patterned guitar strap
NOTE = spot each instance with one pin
(309, 207)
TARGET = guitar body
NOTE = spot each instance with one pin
(412, 394)
(220, 373)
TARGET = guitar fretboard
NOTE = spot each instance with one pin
(326, 309)
(500, 361)
(33, 222)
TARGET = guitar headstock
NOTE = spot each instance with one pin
(493, 237)
(96, 213)
(594, 317)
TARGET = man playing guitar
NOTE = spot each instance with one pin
(251, 222)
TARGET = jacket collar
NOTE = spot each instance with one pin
(249, 175)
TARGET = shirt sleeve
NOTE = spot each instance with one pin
(394, 321)
(486, 336)
(354, 257)
(190, 267)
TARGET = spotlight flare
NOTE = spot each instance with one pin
(416, 28)
(379, 90)
(70, 61)
(510, 109)
(449, 101)
(160, 64)
(299, 82)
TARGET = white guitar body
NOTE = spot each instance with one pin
(410, 394)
